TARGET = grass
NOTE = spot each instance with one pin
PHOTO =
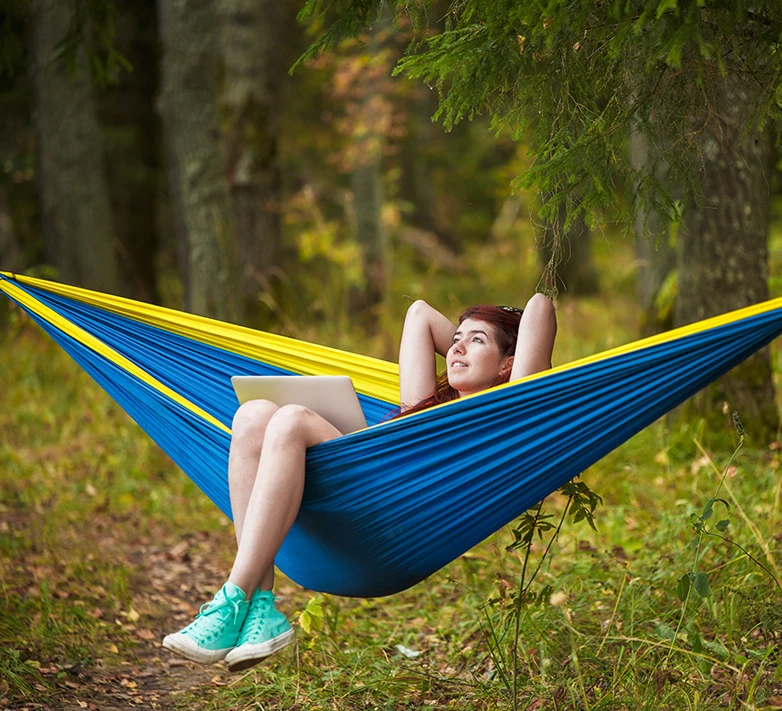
(101, 537)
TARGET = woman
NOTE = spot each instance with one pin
(491, 345)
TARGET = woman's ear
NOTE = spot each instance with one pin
(506, 367)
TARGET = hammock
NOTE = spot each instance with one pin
(385, 507)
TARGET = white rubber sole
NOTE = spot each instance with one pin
(186, 647)
(248, 655)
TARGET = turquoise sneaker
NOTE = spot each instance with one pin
(265, 631)
(215, 629)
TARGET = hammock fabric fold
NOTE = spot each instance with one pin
(387, 506)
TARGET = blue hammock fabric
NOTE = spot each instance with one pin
(385, 507)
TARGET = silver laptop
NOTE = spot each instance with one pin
(333, 397)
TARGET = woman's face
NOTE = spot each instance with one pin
(474, 360)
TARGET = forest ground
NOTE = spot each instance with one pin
(105, 547)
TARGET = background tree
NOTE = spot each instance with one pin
(77, 222)
(573, 79)
(371, 124)
(723, 244)
(131, 145)
(16, 142)
(656, 252)
(199, 190)
(257, 37)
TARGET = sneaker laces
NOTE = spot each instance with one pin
(209, 608)
(258, 613)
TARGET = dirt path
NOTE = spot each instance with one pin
(133, 671)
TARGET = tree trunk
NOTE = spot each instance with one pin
(656, 254)
(566, 256)
(255, 50)
(11, 259)
(131, 147)
(10, 255)
(366, 180)
(199, 190)
(78, 233)
(367, 184)
(416, 185)
(722, 256)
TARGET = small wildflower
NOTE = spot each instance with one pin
(558, 598)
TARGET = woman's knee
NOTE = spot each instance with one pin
(289, 422)
(252, 418)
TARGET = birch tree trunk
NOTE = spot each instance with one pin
(254, 50)
(199, 189)
(723, 257)
(77, 221)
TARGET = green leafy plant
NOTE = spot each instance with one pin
(534, 525)
(697, 579)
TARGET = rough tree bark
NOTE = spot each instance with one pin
(77, 222)
(131, 146)
(722, 257)
(255, 46)
(199, 189)
(656, 254)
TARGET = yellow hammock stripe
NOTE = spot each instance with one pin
(103, 350)
(371, 376)
(675, 334)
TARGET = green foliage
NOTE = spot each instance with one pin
(573, 79)
(599, 627)
(353, 18)
(311, 617)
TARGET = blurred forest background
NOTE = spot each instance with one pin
(163, 151)
(623, 157)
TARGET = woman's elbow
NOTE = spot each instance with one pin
(542, 309)
(419, 310)
(540, 302)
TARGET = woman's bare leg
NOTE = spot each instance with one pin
(247, 435)
(274, 500)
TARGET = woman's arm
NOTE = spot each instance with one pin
(426, 332)
(536, 338)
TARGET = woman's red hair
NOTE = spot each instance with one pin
(505, 327)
